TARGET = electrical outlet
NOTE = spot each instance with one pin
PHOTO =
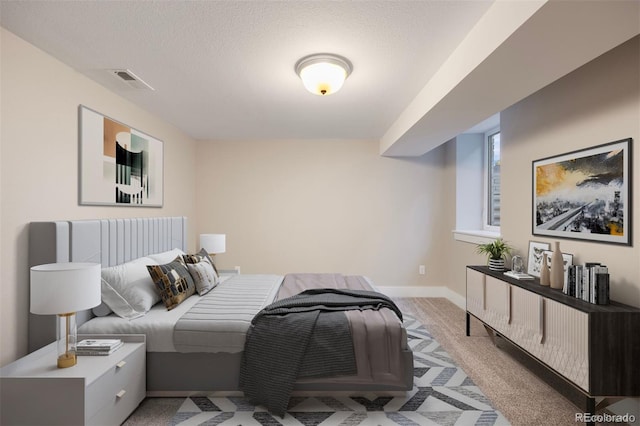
(421, 270)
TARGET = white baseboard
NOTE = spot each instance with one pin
(414, 291)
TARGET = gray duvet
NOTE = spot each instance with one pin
(383, 358)
(300, 336)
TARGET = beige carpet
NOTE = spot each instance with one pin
(514, 391)
(518, 394)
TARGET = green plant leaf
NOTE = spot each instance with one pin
(497, 249)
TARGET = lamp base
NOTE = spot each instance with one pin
(67, 338)
(67, 360)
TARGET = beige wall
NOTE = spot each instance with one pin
(458, 254)
(598, 103)
(324, 206)
(39, 166)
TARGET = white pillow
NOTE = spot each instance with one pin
(128, 290)
(166, 257)
(203, 275)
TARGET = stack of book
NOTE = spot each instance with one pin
(98, 346)
(518, 275)
(589, 282)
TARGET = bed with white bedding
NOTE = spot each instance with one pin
(231, 306)
(196, 347)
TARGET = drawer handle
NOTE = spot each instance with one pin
(509, 304)
(541, 323)
(121, 393)
(121, 364)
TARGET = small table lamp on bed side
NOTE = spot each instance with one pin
(213, 243)
(62, 289)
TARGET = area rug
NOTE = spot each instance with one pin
(442, 395)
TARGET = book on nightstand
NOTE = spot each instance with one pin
(97, 347)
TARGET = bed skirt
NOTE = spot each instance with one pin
(204, 373)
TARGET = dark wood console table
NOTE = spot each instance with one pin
(583, 350)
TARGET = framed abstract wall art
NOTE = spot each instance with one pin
(119, 165)
(585, 194)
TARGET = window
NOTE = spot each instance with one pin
(478, 161)
(492, 181)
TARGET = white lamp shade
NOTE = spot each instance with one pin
(213, 243)
(58, 288)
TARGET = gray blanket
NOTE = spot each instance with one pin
(306, 335)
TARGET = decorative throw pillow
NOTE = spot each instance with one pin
(173, 281)
(202, 255)
(203, 275)
(127, 288)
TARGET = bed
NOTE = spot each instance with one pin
(383, 357)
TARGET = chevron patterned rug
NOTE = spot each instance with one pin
(442, 395)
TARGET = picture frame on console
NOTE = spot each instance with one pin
(585, 194)
(534, 259)
(119, 165)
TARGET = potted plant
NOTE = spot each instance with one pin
(497, 252)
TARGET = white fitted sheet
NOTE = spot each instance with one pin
(225, 334)
(157, 324)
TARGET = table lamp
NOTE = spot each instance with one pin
(62, 289)
(213, 243)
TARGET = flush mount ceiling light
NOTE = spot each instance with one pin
(323, 73)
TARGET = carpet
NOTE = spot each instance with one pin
(442, 395)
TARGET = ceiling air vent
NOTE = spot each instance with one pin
(130, 79)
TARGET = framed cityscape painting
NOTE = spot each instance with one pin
(585, 195)
(119, 165)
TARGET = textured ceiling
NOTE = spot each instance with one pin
(424, 71)
(224, 69)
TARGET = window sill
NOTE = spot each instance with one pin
(475, 236)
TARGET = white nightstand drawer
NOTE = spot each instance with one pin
(118, 408)
(122, 376)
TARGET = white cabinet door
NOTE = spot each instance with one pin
(565, 347)
(497, 307)
(526, 326)
(554, 333)
(475, 293)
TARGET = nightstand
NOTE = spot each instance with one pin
(98, 390)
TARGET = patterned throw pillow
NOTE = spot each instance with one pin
(203, 275)
(173, 281)
(202, 255)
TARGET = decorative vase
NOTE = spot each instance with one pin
(496, 264)
(556, 279)
(544, 271)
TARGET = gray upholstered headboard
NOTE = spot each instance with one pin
(105, 241)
